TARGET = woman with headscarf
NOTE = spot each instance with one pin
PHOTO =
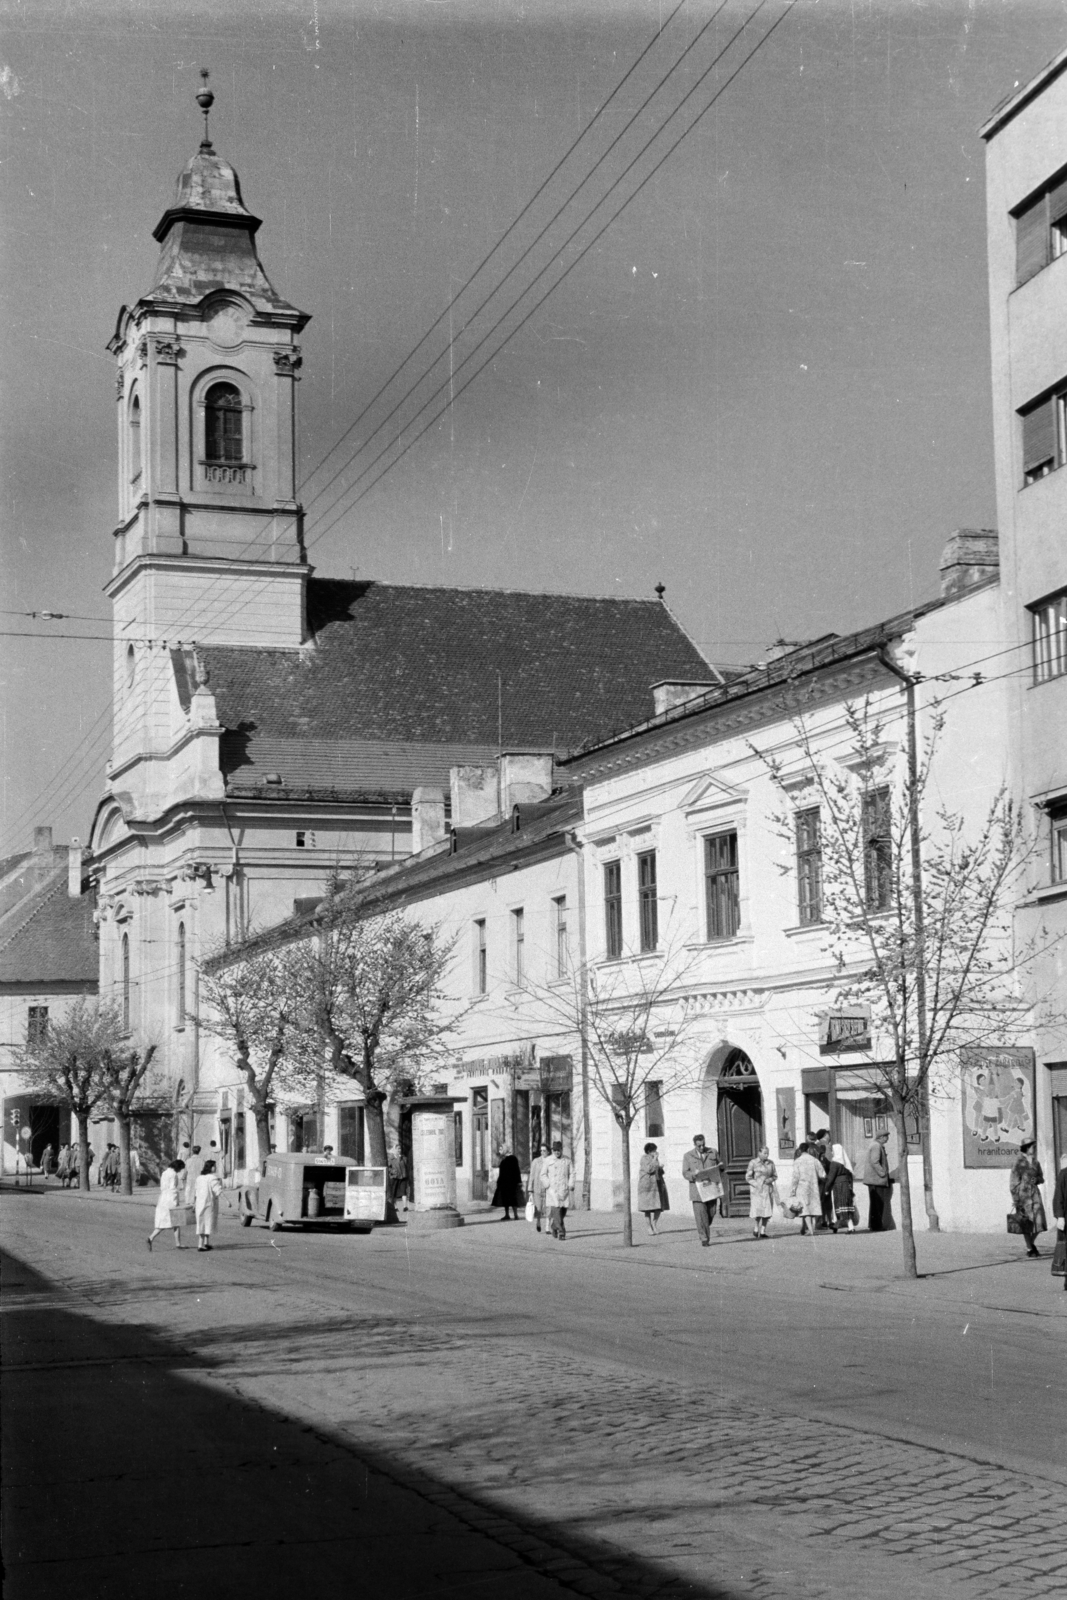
(839, 1189)
(1026, 1175)
(651, 1187)
(761, 1176)
(170, 1204)
(805, 1197)
(508, 1191)
(208, 1193)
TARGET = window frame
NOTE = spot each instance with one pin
(876, 806)
(36, 1025)
(612, 885)
(647, 902)
(226, 442)
(808, 852)
(481, 956)
(518, 946)
(1049, 644)
(1040, 229)
(655, 1125)
(1058, 843)
(562, 941)
(716, 877)
(1046, 419)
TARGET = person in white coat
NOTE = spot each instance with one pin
(170, 1202)
(806, 1192)
(208, 1191)
(557, 1175)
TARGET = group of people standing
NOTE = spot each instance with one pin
(549, 1192)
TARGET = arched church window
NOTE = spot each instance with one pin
(135, 438)
(126, 981)
(131, 665)
(223, 424)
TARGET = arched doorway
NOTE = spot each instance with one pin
(740, 1124)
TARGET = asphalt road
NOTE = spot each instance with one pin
(446, 1413)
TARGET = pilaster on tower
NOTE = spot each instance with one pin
(210, 540)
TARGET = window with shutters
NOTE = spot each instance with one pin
(563, 952)
(1041, 230)
(877, 850)
(809, 866)
(722, 888)
(1050, 638)
(613, 909)
(1058, 840)
(1043, 426)
(647, 903)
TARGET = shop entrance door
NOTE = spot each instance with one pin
(740, 1122)
(479, 1144)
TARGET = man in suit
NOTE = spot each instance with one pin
(879, 1187)
(702, 1170)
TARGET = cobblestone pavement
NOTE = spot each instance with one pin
(615, 1476)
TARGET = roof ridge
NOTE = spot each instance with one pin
(484, 588)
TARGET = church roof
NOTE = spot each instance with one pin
(48, 936)
(398, 683)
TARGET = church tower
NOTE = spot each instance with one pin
(209, 545)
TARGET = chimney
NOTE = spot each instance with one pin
(475, 794)
(675, 692)
(524, 779)
(74, 868)
(970, 557)
(427, 818)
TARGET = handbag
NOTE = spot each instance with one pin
(531, 1211)
(1059, 1255)
(182, 1216)
(1015, 1222)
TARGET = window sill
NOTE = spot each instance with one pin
(1046, 895)
(802, 928)
(723, 944)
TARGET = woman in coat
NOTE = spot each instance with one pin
(170, 1200)
(1059, 1211)
(651, 1187)
(839, 1189)
(63, 1165)
(761, 1175)
(208, 1191)
(1026, 1175)
(508, 1191)
(805, 1198)
(537, 1184)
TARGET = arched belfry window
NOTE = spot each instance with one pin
(223, 424)
(135, 438)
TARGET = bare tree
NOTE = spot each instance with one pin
(70, 1064)
(916, 909)
(129, 1092)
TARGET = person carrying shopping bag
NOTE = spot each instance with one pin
(170, 1207)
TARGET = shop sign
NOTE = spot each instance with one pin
(848, 1029)
(997, 1096)
(556, 1074)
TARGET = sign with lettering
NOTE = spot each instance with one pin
(434, 1158)
(997, 1096)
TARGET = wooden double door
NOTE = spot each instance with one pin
(740, 1126)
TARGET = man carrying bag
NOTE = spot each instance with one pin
(702, 1170)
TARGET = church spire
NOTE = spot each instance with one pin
(205, 100)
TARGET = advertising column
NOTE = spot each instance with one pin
(433, 1159)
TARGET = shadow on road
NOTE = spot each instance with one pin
(129, 1465)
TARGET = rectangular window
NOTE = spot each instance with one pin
(36, 1025)
(457, 1123)
(613, 909)
(654, 1124)
(722, 890)
(877, 850)
(809, 866)
(1059, 849)
(1041, 231)
(563, 954)
(481, 958)
(1043, 426)
(518, 945)
(1050, 638)
(648, 904)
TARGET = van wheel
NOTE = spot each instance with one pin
(274, 1225)
(246, 1220)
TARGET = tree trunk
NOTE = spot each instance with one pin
(907, 1232)
(262, 1116)
(83, 1150)
(627, 1194)
(374, 1114)
(125, 1122)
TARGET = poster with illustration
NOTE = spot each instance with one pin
(997, 1090)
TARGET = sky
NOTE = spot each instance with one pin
(765, 385)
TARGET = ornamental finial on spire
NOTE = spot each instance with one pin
(205, 100)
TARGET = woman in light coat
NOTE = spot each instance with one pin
(208, 1192)
(805, 1196)
(761, 1175)
(170, 1200)
(651, 1187)
(537, 1184)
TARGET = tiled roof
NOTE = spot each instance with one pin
(346, 765)
(49, 937)
(473, 669)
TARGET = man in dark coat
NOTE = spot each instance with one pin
(508, 1191)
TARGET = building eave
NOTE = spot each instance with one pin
(1019, 99)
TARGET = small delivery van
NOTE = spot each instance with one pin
(303, 1189)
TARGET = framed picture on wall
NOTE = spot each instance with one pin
(868, 1127)
(881, 1124)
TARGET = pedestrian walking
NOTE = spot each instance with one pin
(63, 1165)
(651, 1187)
(805, 1194)
(398, 1178)
(839, 1189)
(208, 1191)
(537, 1184)
(1026, 1176)
(875, 1175)
(193, 1166)
(112, 1167)
(47, 1156)
(1059, 1211)
(761, 1175)
(135, 1166)
(170, 1208)
(559, 1181)
(508, 1191)
(702, 1170)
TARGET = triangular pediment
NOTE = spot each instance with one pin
(710, 794)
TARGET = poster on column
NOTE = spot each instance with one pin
(997, 1095)
(433, 1157)
(786, 1101)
